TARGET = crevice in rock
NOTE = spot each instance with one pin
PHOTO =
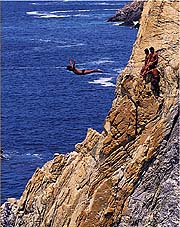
(175, 120)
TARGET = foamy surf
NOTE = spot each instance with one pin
(70, 45)
(43, 3)
(59, 43)
(81, 10)
(135, 22)
(107, 3)
(105, 82)
(33, 155)
(71, 11)
(38, 14)
(33, 13)
(54, 14)
(117, 24)
(63, 13)
(102, 61)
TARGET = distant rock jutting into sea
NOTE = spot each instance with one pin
(129, 15)
(128, 174)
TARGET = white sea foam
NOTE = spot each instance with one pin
(62, 11)
(33, 155)
(59, 43)
(43, 3)
(34, 13)
(38, 14)
(51, 41)
(37, 155)
(106, 3)
(80, 15)
(103, 3)
(45, 40)
(53, 16)
(102, 61)
(109, 9)
(71, 11)
(117, 24)
(135, 22)
(105, 82)
(6, 156)
(80, 10)
(84, 10)
(46, 15)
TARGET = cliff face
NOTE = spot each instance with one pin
(130, 13)
(127, 175)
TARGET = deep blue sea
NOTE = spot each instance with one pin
(45, 108)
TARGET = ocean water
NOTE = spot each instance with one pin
(45, 108)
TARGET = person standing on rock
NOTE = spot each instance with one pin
(72, 67)
(151, 61)
(149, 71)
(153, 58)
(146, 51)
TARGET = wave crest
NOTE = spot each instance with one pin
(104, 82)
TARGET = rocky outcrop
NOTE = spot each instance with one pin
(128, 174)
(130, 14)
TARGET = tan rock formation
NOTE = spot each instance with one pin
(120, 177)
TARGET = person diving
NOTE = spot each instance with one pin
(72, 67)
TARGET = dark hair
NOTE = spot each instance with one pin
(151, 48)
(146, 51)
(69, 67)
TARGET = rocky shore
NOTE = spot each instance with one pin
(128, 174)
(130, 14)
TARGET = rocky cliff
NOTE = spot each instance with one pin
(129, 14)
(128, 174)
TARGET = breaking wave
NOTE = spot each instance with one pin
(54, 14)
(105, 82)
(102, 61)
(64, 13)
(38, 14)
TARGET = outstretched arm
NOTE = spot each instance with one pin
(72, 63)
